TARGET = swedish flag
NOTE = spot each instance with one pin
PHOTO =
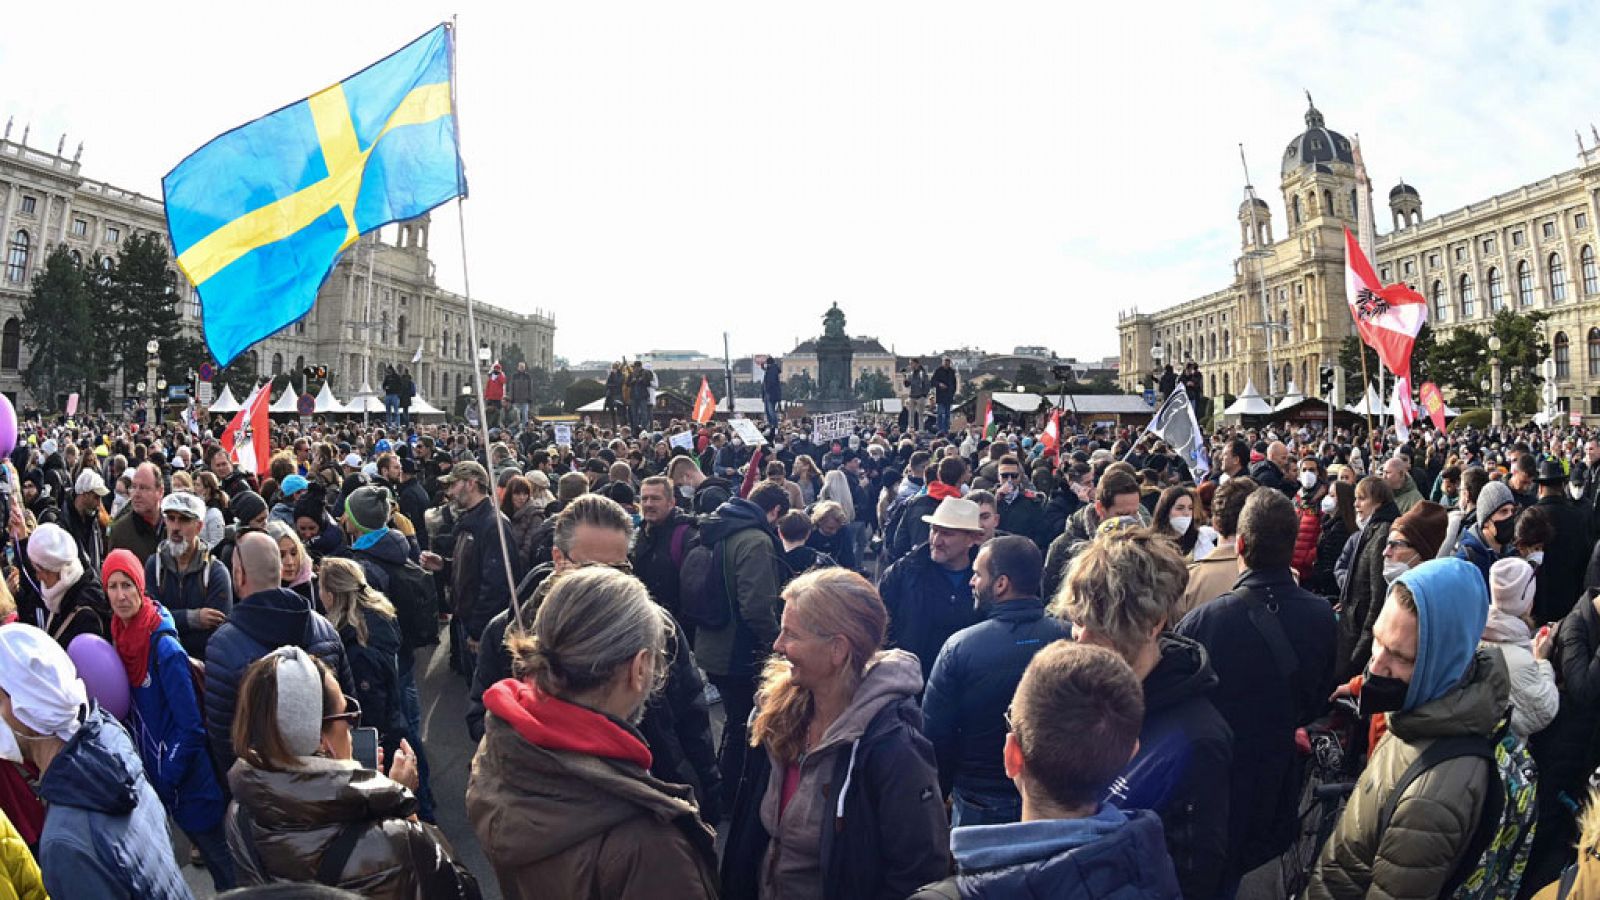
(259, 215)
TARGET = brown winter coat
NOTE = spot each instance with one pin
(1438, 813)
(557, 823)
(293, 817)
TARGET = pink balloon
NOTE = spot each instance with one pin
(8, 426)
(102, 671)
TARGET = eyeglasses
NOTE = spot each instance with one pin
(1398, 544)
(1010, 476)
(1010, 726)
(351, 714)
(176, 517)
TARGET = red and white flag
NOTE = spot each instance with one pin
(1051, 436)
(704, 403)
(248, 437)
(1433, 402)
(1387, 317)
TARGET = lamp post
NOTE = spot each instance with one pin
(1494, 379)
(1157, 353)
(152, 351)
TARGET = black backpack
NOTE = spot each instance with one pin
(416, 603)
(702, 587)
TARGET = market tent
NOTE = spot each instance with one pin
(1249, 403)
(1018, 401)
(1290, 399)
(327, 403)
(421, 407)
(1371, 404)
(225, 402)
(287, 402)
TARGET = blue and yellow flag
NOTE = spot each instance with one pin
(259, 215)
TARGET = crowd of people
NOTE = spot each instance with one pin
(906, 660)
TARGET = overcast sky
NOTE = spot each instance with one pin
(949, 173)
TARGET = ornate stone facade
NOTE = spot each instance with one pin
(1531, 248)
(45, 201)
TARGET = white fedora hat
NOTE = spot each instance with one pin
(956, 514)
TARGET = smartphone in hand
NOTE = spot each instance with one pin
(364, 747)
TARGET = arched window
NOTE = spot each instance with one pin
(1227, 386)
(300, 324)
(1352, 203)
(1296, 212)
(1304, 373)
(383, 327)
(1524, 283)
(277, 364)
(1591, 278)
(1468, 308)
(400, 330)
(1441, 301)
(1213, 384)
(1497, 292)
(17, 259)
(1558, 278)
(1563, 357)
(77, 258)
(1305, 324)
(1288, 376)
(299, 364)
(1227, 341)
(1327, 202)
(1213, 348)
(1594, 353)
(11, 346)
(458, 345)
(433, 384)
(444, 344)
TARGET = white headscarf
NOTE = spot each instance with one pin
(46, 694)
(52, 547)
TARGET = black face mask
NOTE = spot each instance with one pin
(1505, 530)
(1381, 694)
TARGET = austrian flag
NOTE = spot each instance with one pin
(1388, 318)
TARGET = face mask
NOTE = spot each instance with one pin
(1308, 480)
(1505, 530)
(685, 492)
(1181, 524)
(1536, 558)
(1223, 479)
(9, 749)
(1330, 505)
(1393, 569)
(1381, 694)
(1361, 522)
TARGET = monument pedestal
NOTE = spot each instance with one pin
(832, 406)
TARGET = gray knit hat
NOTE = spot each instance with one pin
(1494, 495)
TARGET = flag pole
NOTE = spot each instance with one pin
(472, 330)
(1366, 236)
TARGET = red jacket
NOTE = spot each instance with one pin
(1305, 543)
(495, 388)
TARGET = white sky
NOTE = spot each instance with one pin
(950, 173)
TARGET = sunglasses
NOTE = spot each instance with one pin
(1010, 476)
(351, 714)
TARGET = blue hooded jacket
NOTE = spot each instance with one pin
(105, 834)
(171, 736)
(1452, 608)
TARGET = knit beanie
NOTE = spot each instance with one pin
(1511, 586)
(245, 506)
(368, 508)
(1494, 495)
(1423, 527)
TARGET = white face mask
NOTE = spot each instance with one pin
(1181, 524)
(685, 492)
(1393, 569)
(1308, 480)
(1223, 479)
(1330, 505)
(1361, 522)
(1536, 558)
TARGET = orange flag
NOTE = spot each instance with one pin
(704, 403)
(1433, 402)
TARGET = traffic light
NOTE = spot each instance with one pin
(318, 372)
(1326, 375)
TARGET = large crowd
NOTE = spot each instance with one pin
(893, 661)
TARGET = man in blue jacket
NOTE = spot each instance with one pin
(975, 675)
(1074, 724)
(183, 576)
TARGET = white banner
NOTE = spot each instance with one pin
(563, 434)
(830, 426)
(747, 430)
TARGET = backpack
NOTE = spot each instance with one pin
(1497, 851)
(702, 587)
(416, 603)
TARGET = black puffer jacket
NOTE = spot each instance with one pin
(283, 823)
(375, 665)
(1330, 543)
(1363, 593)
(925, 606)
(1181, 769)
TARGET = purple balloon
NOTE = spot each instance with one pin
(8, 426)
(102, 671)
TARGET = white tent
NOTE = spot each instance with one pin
(1294, 396)
(287, 402)
(225, 402)
(1249, 403)
(421, 407)
(327, 402)
(1370, 404)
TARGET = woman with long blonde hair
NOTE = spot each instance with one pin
(370, 629)
(838, 719)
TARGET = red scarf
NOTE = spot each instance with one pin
(938, 490)
(555, 724)
(133, 640)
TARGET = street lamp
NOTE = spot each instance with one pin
(1494, 378)
(1157, 353)
(152, 351)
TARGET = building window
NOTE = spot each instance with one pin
(1433, 260)
(1441, 302)
(80, 227)
(1295, 211)
(1563, 355)
(277, 364)
(383, 329)
(1580, 221)
(400, 328)
(1468, 309)
(1524, 283)
(1594, 406)
(300, 326)
(1213, 346)
(1226, 341)
(1497, 293)
(444, 345)
(1227, 387)
(1558, 278)
(1516, 238)
(30, 205)
(1488, 245)
(299, 365)
(194, 304)
(1383, 274)
(11, 346)
(77, 259)
(17, 259)
(113, 234)
(458, 345)
(1410, 267)
(1591, 278)
(1549, 229)
(1461, 254)
(1594, 353)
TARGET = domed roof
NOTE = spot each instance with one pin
(1317, 144)
(1262, 209)
(1403, 189)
